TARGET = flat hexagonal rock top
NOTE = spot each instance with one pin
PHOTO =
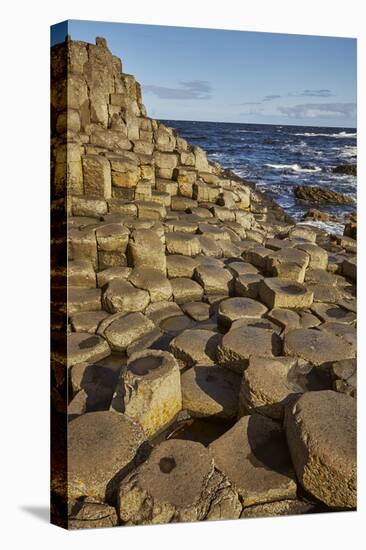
(176, 483)
(277, 292)
(125, 329)
(198, 311)
(152, 280)
(316, 346)
(241, 268)
(122, 296)
(100, 445)
(253, 455)
(214, 280)
(333, 313)
(82, 346)
(186, 290)
(245, 341)
(195, 346)
(210, 391)
(321, 435)
(239, 308)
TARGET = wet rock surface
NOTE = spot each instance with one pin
(210, 367)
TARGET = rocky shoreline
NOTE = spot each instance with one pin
(203, 344)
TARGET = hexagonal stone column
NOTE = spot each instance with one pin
(317, 346)
(100, 445)
(277, 292)
(321, 435)
(239, 308)
(196, 346)
(123, 330)
(82, 346)
(267, 386)
(149, 390)
(176, 483)
(243, 342)
(210, 391)
(214, 280)
(253, 455)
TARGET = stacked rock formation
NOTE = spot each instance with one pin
(203, 345)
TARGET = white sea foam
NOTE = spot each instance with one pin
(339, 135)
(293, 167)
(330, 227)
(348, 151)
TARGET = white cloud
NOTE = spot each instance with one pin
(319, 110)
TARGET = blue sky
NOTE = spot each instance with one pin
(233, 76)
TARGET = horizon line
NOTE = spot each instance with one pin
(253, 123)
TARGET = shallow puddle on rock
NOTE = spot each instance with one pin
(144, 365)
(176, 324)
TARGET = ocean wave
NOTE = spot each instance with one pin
(349, 151)
(339, 135)
(294, 168)
(329, 227)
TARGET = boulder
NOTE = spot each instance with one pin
(149, 390)
(101, 446)
(317, 194)
(210, 391)
(321, 435)
(253, 455)
(346, 169)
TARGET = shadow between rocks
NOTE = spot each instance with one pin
(268, 446)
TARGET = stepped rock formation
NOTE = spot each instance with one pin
(181, 297)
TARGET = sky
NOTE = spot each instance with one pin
(233, 76)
